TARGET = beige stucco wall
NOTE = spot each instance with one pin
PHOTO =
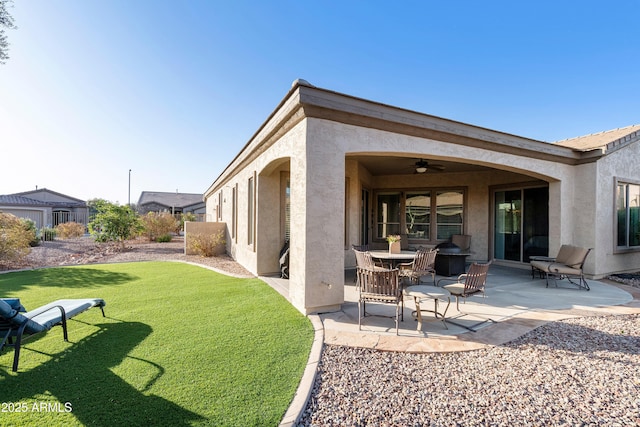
(511, 169)
(623, 165)
(326, 183)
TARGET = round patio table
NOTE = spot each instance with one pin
(393, 258)
(423, 292)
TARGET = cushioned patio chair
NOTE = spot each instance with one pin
(566, 265)
(379, 286)
(422, 265)
(18, 324)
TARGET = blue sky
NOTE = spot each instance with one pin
(174, 89)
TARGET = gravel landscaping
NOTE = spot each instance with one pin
(85, 250)
(578, 372)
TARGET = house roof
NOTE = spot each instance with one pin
(602, 140)
(176, 200)
(38, 193)
(15, 200)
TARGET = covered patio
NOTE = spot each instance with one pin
(515, 303)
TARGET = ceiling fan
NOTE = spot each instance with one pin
(423, 166)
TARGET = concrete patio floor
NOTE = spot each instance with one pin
(515, 303)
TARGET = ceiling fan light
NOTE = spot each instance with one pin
(421, 169)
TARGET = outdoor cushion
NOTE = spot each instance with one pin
(49, 316)
(14, 303)
(577, 256)
(564, 253)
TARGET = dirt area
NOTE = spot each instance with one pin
(85, 250)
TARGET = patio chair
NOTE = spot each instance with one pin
(422, 265)
(284, 261)
(379, 286)
(365, 260)
(466, 285)
(19, 325)
(469, 283)
(566, 265)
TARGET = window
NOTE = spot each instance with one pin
(449, 209)
(251, 211)
(417, 212)
(388, 214)
(234, 212)
(410, 213)
(628, 215)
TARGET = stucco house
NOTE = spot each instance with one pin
(175, 203)
(328, 170)
(45, 207)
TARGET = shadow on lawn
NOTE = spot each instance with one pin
(83, 377)
(64, 277)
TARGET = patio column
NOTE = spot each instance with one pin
(316, 283)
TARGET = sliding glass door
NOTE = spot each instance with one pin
(521, 224)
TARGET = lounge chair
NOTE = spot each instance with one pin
(566, 265)
(18, 324)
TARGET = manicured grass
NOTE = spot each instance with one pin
(181, 345)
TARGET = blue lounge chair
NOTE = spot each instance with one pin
(18, 324)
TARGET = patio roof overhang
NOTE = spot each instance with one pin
(307, 101)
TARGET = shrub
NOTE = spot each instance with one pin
(113, 222)
(48, 234)
(158, 224)
(30, 227)
(15, 238)
(164, 238)
(205, 244)
(189, 216)
(69, 230)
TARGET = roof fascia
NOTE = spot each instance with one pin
(306, 101)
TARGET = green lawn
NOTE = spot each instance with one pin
(181, 345)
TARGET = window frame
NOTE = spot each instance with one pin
(251, 211)
(403, 195)
(627, 248)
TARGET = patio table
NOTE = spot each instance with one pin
(421, 292)
(393, 258)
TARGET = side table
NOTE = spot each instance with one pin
(423, 292)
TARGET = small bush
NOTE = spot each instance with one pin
(164, 238)
(30, 227)
(189, 216)
(15, 238)
(206, 245)
(69, 230)
(48, 234)
(159, 224)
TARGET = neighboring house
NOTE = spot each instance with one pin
(45, 207)
(328, 170)
(174, 203)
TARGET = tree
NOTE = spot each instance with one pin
(6, 22)
(112, 222)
